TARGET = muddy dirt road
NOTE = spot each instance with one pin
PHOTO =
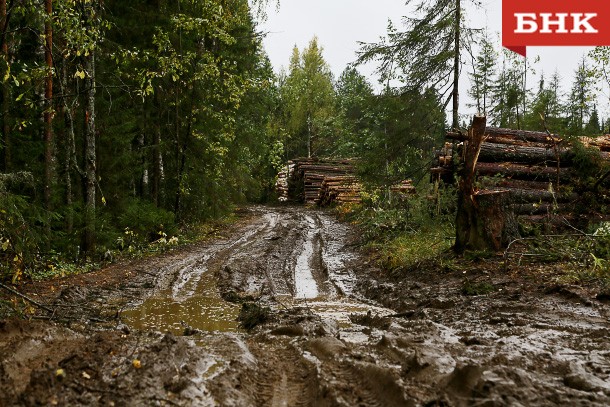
(335, 331)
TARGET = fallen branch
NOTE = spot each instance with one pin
(28, 299)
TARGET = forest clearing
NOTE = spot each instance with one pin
(185, 222)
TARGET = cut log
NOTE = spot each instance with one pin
(540, 209)
(525, 172)
(535, 136)
(491, 152)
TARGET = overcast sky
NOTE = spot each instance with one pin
(341, 24)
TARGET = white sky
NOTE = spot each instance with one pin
(341, 24)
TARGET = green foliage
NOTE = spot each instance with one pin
(587, 163)
(308, 97)
(20, 232)
(407, 236)
(185, 98)
(579, 259)
(144, 219)
(580, 100)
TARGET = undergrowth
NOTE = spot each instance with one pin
(579, 258)
(130, 244)
(409, 233)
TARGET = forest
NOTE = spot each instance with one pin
(149, 256)
(124, 124)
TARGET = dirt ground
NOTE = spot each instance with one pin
(331, 329)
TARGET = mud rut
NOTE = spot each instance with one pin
(513, 347)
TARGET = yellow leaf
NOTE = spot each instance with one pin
(60, 374)
(16, 259)
(137, 364)
(80, 74)
(104, 201)
(5, 245)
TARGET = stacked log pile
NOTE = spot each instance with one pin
(281, 185)
(403, 189)
(325, 182)
(535, 168)
(339, 189)
(308, 174)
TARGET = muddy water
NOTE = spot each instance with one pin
(286, 258)
(204, 310)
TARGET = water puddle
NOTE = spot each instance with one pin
(205, 310)
(305, 284)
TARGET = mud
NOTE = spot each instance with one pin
(339, 332)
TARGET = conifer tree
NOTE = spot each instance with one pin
(484, 66)
(427, 52)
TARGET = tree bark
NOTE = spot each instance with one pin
(48, 115)
(491, 152)
(484, 219)
(5, 89)
(456, 65)
(90, 154)
(156, 184)
(523, 172)
(69, 149)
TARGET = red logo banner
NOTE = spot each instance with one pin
(554, 23)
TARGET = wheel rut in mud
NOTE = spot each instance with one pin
(172, 336)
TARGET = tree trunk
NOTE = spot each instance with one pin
(90, 154)
(5, 88)
(69, 149)
(48, 115)
(491, 152)
(484, 219)
(524, 172)
(456, 65)
(157, 171)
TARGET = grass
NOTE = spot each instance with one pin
(410, 249)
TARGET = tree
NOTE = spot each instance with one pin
(355, 102)
(428, 52)
(507, 93)
(309, 95)
(547, 106)
(593, 127)
(180, 90)
(4, 75)
(580, 100)
(48, 111)
(484, 67)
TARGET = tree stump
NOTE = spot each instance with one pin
(485, 219)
